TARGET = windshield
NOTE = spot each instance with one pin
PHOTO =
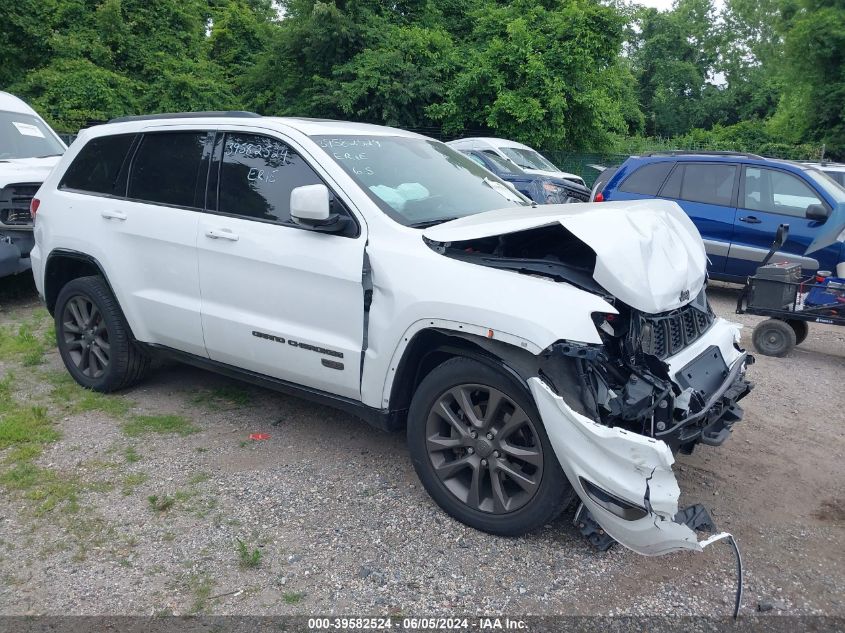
(838, 176)
(416, 181)
(505, 165)
(26, 136)
(528, 158)
(828, 184)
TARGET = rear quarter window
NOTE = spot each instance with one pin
(98, 168)
(708, 183)
(647, 179)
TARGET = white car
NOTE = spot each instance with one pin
(835, 170)
(523, 156)
(29, 149)
(533, 354)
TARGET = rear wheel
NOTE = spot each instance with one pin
(774, 337)
(479, 447)
(94, 339)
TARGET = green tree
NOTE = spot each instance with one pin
(814, 97)
(545, 73)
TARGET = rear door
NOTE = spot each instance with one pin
(707, 193)
(143, 194)
(278, 299)
(770, 197)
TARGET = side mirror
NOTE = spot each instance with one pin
(818, 212)
(309, 205)
(311, 208)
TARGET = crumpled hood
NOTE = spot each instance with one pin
(648, 252)
(14, 170)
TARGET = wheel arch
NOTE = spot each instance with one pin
(64, 265)
(432, 346)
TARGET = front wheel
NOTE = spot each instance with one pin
(479, 448)
(94, 339)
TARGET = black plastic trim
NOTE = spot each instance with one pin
(379, 418)
(240, 114)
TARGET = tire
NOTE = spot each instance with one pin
(801, 329)
(773, 337)
(94, 339)
(520, 485)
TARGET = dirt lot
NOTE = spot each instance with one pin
(156, 502)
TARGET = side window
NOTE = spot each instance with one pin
(672, 187)
(257, 174)
(775, 191)
(710, 183)
(171, 168)
(647, 179)
(97, 167)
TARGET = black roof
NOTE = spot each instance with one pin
(187, 115)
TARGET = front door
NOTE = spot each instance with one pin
(768, 198)
(277, 299)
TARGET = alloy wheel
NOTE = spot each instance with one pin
(484, 448)
(86, 336)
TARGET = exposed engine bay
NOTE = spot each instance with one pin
(625, 382)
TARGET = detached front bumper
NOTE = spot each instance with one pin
(625, 479)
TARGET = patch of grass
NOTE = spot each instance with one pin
(26, 342)
(225, 397)
(161, 503)
(248, 559)
(198, 478)
(201, 586)
(66, 394)
(132, 481)
(144, 424)
(22, 424)
(293, 597)
(44, 486)
(131, 455)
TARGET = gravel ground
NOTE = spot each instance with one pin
(343, 526)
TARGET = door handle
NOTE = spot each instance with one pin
(750, 219)
(113, 215)
(222, 234)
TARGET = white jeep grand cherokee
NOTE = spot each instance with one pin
(534, 353)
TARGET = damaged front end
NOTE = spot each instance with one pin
(664, 376)
(668, 374)
(616, 413)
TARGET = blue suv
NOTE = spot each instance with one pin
(737, 202)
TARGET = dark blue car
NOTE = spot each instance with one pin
(737, 202)
(540, 189)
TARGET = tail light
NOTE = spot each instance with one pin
(33, 207)
(599, 197)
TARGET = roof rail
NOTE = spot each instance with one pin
(186, 115)
(690, 152)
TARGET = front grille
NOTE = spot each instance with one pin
(14, 203)
(667, 334)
